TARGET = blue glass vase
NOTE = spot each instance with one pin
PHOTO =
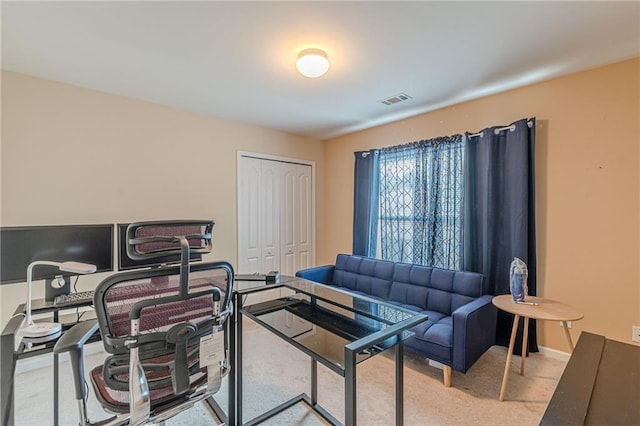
(518, 280)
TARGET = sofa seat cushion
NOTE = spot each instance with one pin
(434, 337)
(431, 350)
(438, 328)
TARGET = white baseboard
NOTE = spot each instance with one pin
(544, 351)
(554, 353)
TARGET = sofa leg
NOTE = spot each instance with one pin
(447, 376)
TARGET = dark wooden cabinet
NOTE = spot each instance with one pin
(600, 385)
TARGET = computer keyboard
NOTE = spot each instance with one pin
(71, 299)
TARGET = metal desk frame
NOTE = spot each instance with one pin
(349, 372)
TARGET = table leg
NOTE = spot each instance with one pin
(231, 406)
(349, 387)
(239, 348)
(525, 340)
(55, 380)
(514, 331)
(314, 381)
(7, 371)
(567, 334)
(55, 390)
(400, 383)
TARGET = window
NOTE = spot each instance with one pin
(421, 202)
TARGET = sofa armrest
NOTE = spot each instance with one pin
(474, 331)
(319, 274)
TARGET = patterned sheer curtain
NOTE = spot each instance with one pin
(421, 202)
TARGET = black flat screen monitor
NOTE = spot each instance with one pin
(21, 245)
(126, 263)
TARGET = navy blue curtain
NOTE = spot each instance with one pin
(365, 202)
(499, 217)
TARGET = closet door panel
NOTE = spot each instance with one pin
(275, 217)
(303, 218)
(288, 219)
(249, 260)
(270, 189)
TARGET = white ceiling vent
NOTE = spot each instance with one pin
(395, 99)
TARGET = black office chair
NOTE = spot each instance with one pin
(165, 329)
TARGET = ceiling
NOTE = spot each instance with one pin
(236, 60)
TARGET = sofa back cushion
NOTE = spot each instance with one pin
(434, 289)
(410, 286)
(363, 274)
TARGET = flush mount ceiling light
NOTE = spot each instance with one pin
(312, 63)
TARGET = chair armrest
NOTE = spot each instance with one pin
(76, 337)
(73, 341)
(319, 274)
(474, 331)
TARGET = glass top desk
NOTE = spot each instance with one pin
(335, 328)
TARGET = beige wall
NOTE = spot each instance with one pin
(71, 155)
(587, 191)
(74, 156)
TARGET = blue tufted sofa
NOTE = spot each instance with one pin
(462, 319)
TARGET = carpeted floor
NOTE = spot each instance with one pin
(275, 372)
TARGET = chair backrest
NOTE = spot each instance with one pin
(154, 239)
(116, 298)
(155, 319)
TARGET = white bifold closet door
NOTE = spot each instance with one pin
(275, 217)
